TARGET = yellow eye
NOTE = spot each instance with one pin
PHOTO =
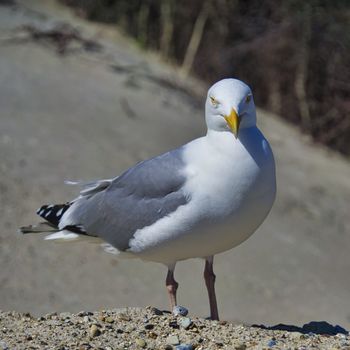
(248, 98)
(213, 101)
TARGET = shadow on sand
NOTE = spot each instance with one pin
(315, 327)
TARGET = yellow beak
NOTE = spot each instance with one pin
(233, 122)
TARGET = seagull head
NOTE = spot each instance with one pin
(230, 106)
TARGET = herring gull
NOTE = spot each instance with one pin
(195, 201)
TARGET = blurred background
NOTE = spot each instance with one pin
(88, 88)
(294, 53)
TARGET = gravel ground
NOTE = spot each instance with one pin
(150, 328)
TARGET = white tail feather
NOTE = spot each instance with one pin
(62, 236)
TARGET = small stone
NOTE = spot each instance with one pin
(124, 317)
(173, 340)
(94, 331)
(341, 336)
(219, 342)
(156, 311)
(64, 315)
(140, 343)
(168, 347)
(295, 335)
(84, 313)
(86, 319)
(185, 322)
(84, 347)
(3, 346)
(149, 326)
(240, 346)
(173, 324)
(271, 343)
(184, 347)
(180, 311)
(153, 335)
(109, 319)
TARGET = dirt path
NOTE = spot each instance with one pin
(98, 109)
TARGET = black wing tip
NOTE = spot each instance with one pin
(53, 212)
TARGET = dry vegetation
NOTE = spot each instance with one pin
(294, 53)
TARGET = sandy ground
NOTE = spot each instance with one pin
(87, 115)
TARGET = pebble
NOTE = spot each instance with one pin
(109, 319)
(185, 322)
(84, 313)
(124, 317)
(271, 343)
(295, 335)
(156, 311)
(173, 340)
(184, 347)
(194, 330)
(140, 343)
(174, 324)
(180, 311)
(3, 346)
(219, 342)
(240, 346)
(64, 315)
(153, 335)
(149, 326)
(94, 331)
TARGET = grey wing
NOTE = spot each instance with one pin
(139, 197)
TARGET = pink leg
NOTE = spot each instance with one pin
(209, 277)
(171, 286)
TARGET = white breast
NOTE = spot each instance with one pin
(231, 185)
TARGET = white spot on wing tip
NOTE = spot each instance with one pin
(59, 212)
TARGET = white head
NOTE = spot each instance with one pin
(230, 106)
